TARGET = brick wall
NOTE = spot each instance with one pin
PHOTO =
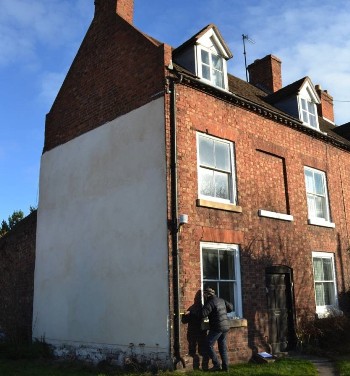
(17, 258)
(116, 70)
(266, 73)
(263, 147)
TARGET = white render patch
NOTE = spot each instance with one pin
(101, 273)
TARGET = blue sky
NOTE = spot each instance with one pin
(39, 39)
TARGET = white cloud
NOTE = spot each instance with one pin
(28, 26)
(311, 39)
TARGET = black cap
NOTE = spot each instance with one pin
(209, 291)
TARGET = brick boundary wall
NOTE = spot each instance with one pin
(17, 260)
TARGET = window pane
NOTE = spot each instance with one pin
(217, 62)
(226, 291)
(222, 156)
(319, 294)
(319, 186)
(305, 117)
(303, 104)
(218, 78)
(227, 270)
(318, 269)
(205, 57)
(206, 182)
(327, 269)
(320, 207)
(329, 293)
(210, 264)
(311, 205)
(309, 181)
(206, 151)
(221, 185)
(311, 108)
(206, 72)
(313, 121)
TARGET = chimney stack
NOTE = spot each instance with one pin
(325, 108)
(108, 8)
(266, 73)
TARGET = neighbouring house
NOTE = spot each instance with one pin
(163, 173)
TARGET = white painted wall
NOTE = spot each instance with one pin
(101, 273)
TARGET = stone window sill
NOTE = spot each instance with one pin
(219, 205)
(320, 222)
(234, 323)
(275, 215)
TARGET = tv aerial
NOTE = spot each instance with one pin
(245, 38)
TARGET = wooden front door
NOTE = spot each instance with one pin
(280, 308)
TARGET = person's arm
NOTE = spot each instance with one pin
(206, 310)
(229, 306)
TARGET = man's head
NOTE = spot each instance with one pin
(208, 292)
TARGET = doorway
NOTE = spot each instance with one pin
(280, 305)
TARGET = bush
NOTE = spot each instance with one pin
(335, 332)
(331, 334)
(35, 350)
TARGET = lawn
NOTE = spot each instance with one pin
(48, 368)
(343, 367)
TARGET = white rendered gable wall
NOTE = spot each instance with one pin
(101, 274)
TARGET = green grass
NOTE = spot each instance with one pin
(281, 367)
(343, 367)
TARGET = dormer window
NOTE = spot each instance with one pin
(212, 68)
(308, 99)
(205, 55)
(309, 115)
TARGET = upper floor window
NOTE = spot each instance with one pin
(309, 113)
(317, 196)
(324, 280)
(216, 169)
(221, 272)
(212, 68)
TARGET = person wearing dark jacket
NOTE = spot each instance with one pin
(216, 310)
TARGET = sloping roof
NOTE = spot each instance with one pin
(287, 91)
(193, 40)
(252, 94)
(343, 130)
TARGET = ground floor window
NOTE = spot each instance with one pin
(325, 283)
(221, 271)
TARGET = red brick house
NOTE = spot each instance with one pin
(162, 173)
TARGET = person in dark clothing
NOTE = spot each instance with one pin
(216, 310)
(196, 335)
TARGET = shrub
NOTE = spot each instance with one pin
(35, 350)
(331, 334)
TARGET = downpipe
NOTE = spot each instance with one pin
(174, 223)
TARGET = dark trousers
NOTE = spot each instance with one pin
(212, 337)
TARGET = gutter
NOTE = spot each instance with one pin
(174, 223)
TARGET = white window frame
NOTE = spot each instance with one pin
(325, 310)
(231, 175)
(237, 286)
(313, 219)
(308, 115)
(212, 77)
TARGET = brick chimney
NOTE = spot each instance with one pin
(325, 108)
(108, 8)
(266, 73)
